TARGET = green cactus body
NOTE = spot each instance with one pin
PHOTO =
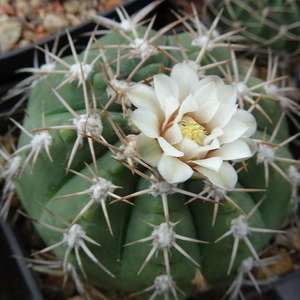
(271, 24)
(192, 237)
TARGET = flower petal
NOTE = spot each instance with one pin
(213, 137)
(168, 149)
(173, 135)
(232, 131)
(148, 149)
(173, 170)
(165, 86)
(206, 112)
(189, 148)
(146, 121)
(188, 105)
(206, 93)
(222, 116)
(213, 163)
(186, 78)
(251, 144)
(226, 178)
(212, 79)
(247, 118)
(169, 106)
(142, 95)
(236, 151)
(227, 94)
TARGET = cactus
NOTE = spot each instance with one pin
(154, 166)
(273, 24)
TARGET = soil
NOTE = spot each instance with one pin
(25, 21)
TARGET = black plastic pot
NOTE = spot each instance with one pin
(24, 57)
(16, 280)
(13, 60)
(286, 288)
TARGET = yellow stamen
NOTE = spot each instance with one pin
(192, 130)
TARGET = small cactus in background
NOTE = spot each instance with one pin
(264, 24)
(155, 164)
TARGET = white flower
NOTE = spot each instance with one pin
(191, 127)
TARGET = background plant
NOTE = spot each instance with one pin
(264, 24)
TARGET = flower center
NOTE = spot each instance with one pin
(192, 130)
